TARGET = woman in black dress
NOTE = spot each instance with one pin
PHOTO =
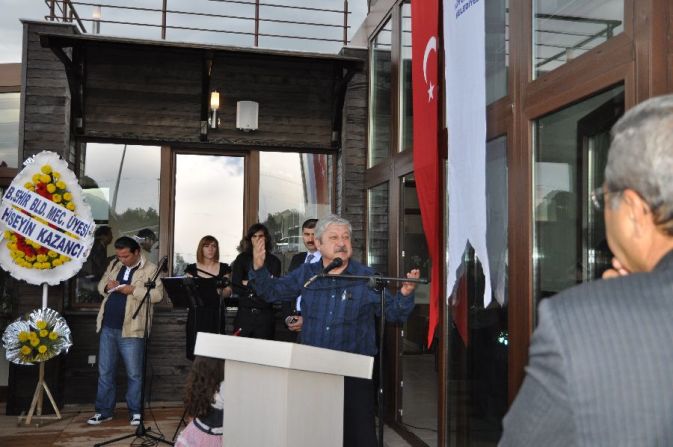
(255, 317)
(208, 318)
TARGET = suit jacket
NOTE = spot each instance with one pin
(288, 307)
(297, 260)
(600, 369)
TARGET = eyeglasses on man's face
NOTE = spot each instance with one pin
(598, 197)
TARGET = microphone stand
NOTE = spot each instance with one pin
(378, 283)
(141, 430)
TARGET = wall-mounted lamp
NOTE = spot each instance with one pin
(247, 113)
(96, 16)
(214, 121)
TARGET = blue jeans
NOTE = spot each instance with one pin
(112, 344)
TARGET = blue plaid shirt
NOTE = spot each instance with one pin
(338, 313)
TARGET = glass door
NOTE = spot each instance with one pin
(418, 362)
(208, 201)
(593, 137)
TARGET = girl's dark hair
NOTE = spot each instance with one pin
(202, 384)
(254, 228)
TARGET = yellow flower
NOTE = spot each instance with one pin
(56, 175)
(34, 342)
(64, 258)
(30, 258)
(46, 169)
(25, 350)
(67, 196)
(41, 324)
(7, 234)
(46, 265)
(36, 178)
(44, 333)
(23, 336)
(51, 188)
(44, 178)
(29, 185)
(52, 254)
(70, 206)
(56, 262)
(41, 258)
(19, 254)
(56, 198)
(60, 184)
(42, 349)
(53, 335)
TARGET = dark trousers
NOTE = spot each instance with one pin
(255, 322)
(202, 319)
(359, 428)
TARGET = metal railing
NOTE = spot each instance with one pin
(253, 13)
(583, 41)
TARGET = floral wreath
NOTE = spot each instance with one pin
(47, 176)
(30, 254)
(37, 338)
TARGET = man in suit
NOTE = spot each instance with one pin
(600, 369)
(292, 309)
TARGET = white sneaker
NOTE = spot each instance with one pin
(135, 419)
(98, 419)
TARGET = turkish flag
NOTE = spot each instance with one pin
(425, 81)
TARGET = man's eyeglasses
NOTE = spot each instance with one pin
(598, 197)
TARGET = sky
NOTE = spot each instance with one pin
(14, 10)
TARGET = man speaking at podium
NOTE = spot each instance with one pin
(338, 313)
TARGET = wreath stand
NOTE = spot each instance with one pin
(42, 387)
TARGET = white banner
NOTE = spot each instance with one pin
(48, 237)
(464, 36)
(50, 211)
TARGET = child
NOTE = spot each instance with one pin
(204, 404)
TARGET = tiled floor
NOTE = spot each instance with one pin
(73, 431)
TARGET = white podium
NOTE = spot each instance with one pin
(281, 394)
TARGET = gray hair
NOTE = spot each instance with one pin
(641, 157)
(331, 219)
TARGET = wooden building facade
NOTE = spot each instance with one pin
(551, 103)
(80, 91)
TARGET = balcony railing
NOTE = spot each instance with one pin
(238, 22)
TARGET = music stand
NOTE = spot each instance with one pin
(201, 296)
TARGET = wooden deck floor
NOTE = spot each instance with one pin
(73, 431)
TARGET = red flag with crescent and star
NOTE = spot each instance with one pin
(427, 167)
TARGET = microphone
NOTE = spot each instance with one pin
(336, 262)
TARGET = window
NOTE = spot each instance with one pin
(571, 147)
(497, 48)
(293, 187)
(9, 129)
(377, 228)
(121, 184)
(380, 107)
(563, 31)
(406, 126)
(208, 201)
